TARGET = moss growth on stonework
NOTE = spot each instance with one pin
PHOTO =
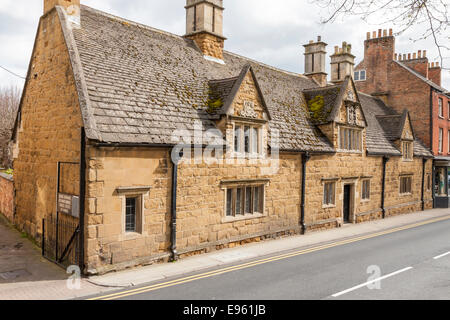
(214, 105)
(315, 106)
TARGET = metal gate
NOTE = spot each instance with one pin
(61, 241)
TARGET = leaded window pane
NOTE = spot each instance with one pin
(239, 201)
(248, 200)
(229, 201)
(237, 139)
(130, 215)
(247, 139)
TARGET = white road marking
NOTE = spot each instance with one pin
(370, 282)
(442, 255)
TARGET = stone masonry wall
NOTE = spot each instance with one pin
(50, 126)
(107, 245)
(7, 196)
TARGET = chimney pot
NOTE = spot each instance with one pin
(390, 32)
(368, 35)
(385, 33)
(379, 33)
(424, 53)
(414, 55)
(437, 64)
(404, 56)
(319, 39)
(409, 56)
(395, 56)
(420, 54)
(374, 35)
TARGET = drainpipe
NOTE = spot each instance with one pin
(82, 194)
(383, 186)
(305, 158)
(424, 162)
(433, 191)
(176, 155)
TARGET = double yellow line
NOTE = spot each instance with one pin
(159, 286)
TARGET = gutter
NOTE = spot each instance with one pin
(424, 162)
(82, 195)
(305, 158)
(173, 209)
(383, 186)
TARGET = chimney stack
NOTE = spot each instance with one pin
(72, 8)
(342, 63)
(434, 73)
(204, 25)
(315, 55)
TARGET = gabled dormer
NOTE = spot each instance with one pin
(242, 111)
(399, 130)
(337, 112)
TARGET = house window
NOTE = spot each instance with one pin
(329, 194)
(448, 109)
(365, 192)
(350, 139)
(360, 75)
(428, 182)
(407, 150)
(132, 208)
(441, 111)
(448, 141)
(246, 200)
(130, 214)
(247, 139)
(405, 185)
(441, 137)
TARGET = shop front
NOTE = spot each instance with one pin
(442, 183)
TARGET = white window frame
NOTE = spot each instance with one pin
(441, 107)
(359, 73)
(441, 140)
(241, 150)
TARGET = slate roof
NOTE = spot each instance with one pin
(137, 85)
(143, 83)
(325, 96)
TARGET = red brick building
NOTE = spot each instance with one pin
(409, 81)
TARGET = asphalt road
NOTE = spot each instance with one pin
(408, 264)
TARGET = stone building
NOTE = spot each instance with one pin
(410, 81)
(182, 147)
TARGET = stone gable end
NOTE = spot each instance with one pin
(248, 102)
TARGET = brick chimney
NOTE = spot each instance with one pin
(417, 61)
(342, 63)
(434, 73)
(72, 8)
(315, 55)
(379, 49)
(204, 25)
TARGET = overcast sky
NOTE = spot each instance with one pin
(269, 31)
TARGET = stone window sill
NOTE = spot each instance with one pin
(132, 235)
(365, 200)
(328, 206)
(350, 151)
(230, 219)
(405, 194)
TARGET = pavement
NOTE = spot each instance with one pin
(33, 277)
(26, 275)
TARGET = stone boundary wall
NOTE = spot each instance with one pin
(7, 196)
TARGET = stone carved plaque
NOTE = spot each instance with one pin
(351, 114)
(249, 110)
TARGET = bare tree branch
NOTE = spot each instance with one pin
(403, 14)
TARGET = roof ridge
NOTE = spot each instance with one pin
(137, 24)
(262, 64)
